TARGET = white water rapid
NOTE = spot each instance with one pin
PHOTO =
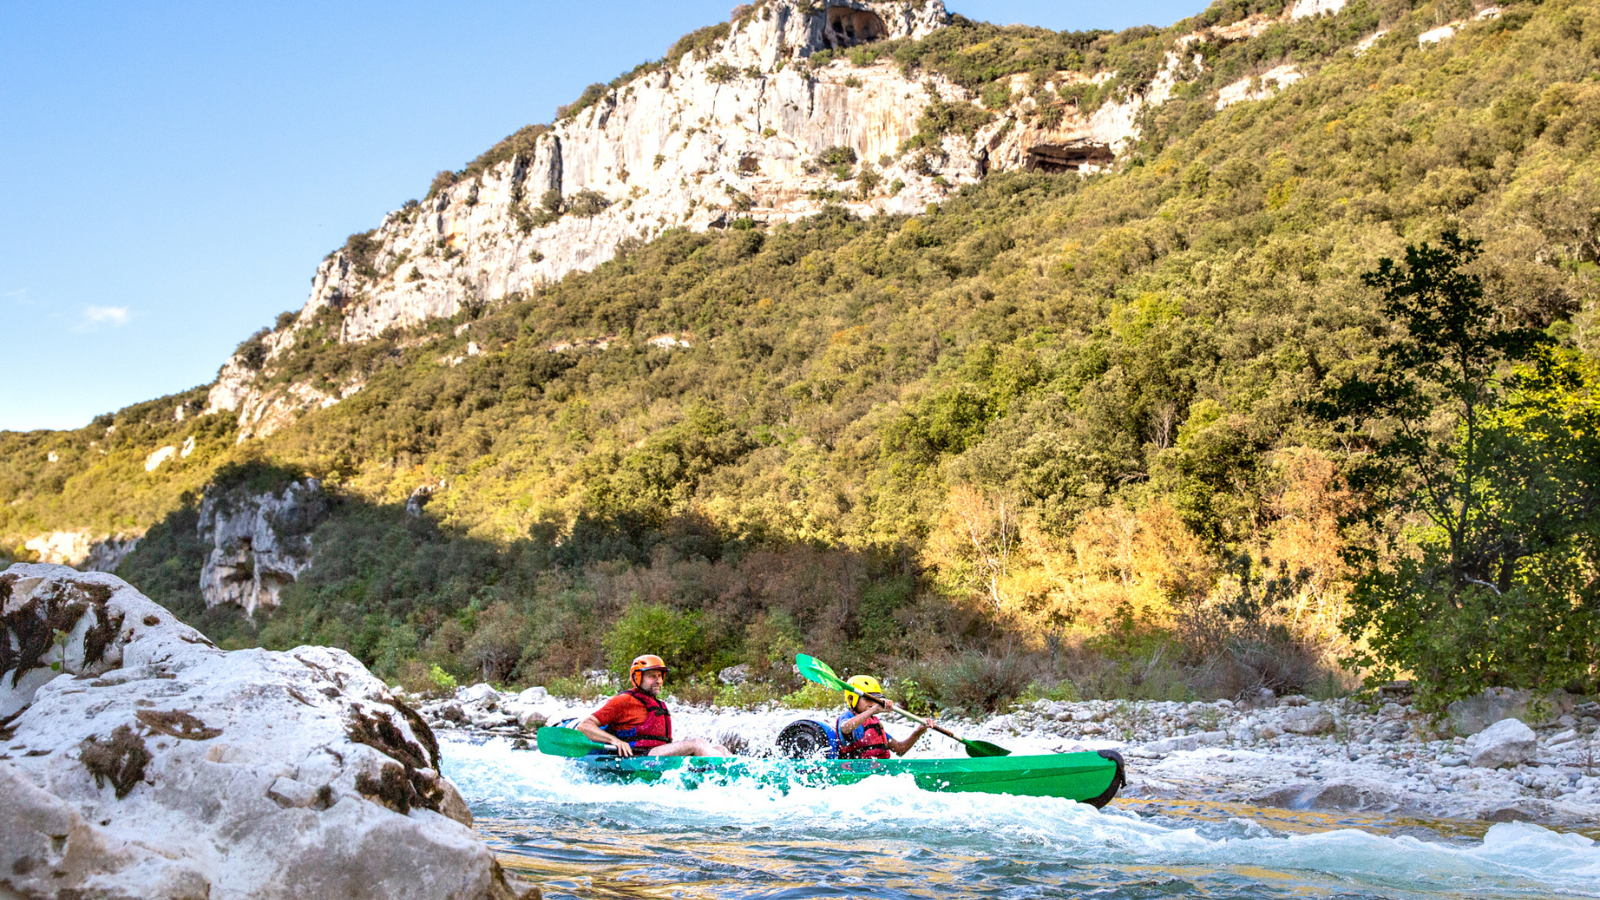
(887, 838)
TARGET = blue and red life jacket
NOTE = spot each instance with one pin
(868, 741)
(654, 731)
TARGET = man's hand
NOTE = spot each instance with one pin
(590, 728)
(879, 704)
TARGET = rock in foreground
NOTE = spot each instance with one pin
(139, 760)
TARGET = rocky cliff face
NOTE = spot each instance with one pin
(82, 550)
(737, 129)
(260, 543)
(139, 760)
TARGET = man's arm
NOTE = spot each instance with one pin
(590, 728)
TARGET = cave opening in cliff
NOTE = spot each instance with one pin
(1075, 157)
(848, 27)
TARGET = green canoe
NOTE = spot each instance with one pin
(1089, 777)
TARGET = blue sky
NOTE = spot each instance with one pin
(171, 173)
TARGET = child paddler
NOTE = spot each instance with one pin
(636, 722)
(861, 735)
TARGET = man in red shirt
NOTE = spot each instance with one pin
(637, 722)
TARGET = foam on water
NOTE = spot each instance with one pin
(750, 839)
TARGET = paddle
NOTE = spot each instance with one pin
(818, 671)
(567, 742)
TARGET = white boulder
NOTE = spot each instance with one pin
(1507, 742)
(477, 693)
(1180, 743)
(1305, 720)
(139, 760)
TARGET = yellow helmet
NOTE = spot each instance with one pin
(863, 684)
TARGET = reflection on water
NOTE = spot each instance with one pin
(1192, 813)
(887, 838)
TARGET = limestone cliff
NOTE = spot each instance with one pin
(746, 126)
(260, 543)
(82, 550)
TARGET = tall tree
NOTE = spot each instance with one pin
(1419, 415)
(1487, 485)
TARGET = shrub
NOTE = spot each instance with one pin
(973, 682)
(361, 251)
(700, 42)
(496, 645)
(587, 203)
(813, 696)
(576, 688)
(867, 182)
(521, 143)
(771, 641)
(442, 681)
(588, 98)
(749, 695)
(1058, 692)
(695, 691)
(941, 117)
(653, 628)
(909, 692)
(838, 156)
(442, 181)
(1126, 662)
(252, 354)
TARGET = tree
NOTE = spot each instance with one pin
(1419, 415)
(981, 531)
(1448, 438)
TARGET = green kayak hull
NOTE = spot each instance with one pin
(1092, 777)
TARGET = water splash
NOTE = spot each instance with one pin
(886, 837)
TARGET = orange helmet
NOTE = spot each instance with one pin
(646, 663)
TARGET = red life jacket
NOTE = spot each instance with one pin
(655, 730)
(870, 740)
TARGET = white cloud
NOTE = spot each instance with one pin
(106, 315)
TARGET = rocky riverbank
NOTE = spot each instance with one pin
(1289, 752)
(138, 759)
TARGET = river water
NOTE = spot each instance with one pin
(886, 838)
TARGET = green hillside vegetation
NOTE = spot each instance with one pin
(1078, 436)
